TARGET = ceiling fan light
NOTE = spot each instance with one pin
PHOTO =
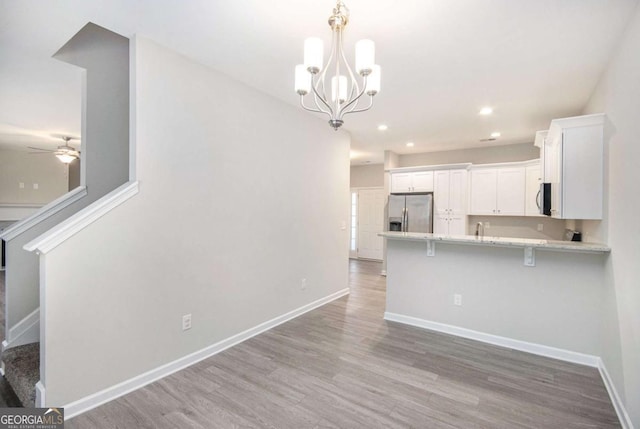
(65, 157)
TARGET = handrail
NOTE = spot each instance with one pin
(59, 233)
(44, 213)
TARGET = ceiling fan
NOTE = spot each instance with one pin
(64, 153)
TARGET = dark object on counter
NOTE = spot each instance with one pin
(571, 235)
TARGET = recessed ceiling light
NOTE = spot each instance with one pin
(410, 144)
(382, 127)
(485, 111)
(495, 135)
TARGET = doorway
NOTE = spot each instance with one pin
(367, 220)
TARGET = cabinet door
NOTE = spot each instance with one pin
(554, 154)
(422, 181)
(532, 190)
(458, 225)
(441, 193)
(441, 224)
(458, 183)
(510, 191)
(401, 182)
(483, 191)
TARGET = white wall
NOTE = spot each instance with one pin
(480, 155)
(557, 303)
(618, 95)
(224, 227)
(367, 176)
(18, 166)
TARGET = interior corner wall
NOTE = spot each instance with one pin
(41, 169)
(241, 196)
(618, 96)
(480, 155)
(367, 176)
(103, 58)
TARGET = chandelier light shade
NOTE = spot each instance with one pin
(334, 88)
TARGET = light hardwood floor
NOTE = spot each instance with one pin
(343, 366)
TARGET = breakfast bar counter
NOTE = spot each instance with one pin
(548, 303)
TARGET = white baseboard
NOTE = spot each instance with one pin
(89, 402)
(40, 395)
(618, 405)
(26, 331)
(537, 349)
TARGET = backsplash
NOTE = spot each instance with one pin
(520, 227)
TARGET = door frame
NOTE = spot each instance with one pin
(353, 254)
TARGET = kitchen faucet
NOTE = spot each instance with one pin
(479, 230)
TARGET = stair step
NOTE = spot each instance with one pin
(22, 371)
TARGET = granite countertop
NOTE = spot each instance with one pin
(568, 246)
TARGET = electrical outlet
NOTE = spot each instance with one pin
(21, 185)
(487, 224)
(540, 227)
(303, 284)
(186, 322)
(35, 186)
(457, 299)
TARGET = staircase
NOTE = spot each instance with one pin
(22, 371)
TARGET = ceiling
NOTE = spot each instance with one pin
(442, 60)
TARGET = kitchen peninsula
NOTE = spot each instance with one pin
(540, 296)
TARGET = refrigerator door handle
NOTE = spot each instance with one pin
(406, 220)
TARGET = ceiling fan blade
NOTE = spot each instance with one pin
(37, 148)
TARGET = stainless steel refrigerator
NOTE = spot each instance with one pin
(411, 212)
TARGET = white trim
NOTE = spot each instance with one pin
(21, 205)
(527, 163)
(618, 405)
(429, 168)
(44, 213)
(89, 402)
(25, 331)
(40, 395)
(58, 234)
(536, 349)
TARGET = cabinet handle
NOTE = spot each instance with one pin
(538, 200)
(498, 211)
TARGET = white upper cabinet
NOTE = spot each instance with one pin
(483, 191)
(450, 202)
(498, 191)
(415, 181)
(574, 165)
(533, 179)
(510, 191)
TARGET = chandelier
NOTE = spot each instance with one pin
(336, 78)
